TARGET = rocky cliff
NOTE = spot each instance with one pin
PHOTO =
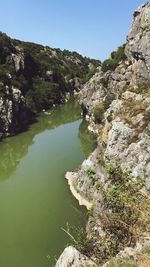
(35, 78)
(14, 113)
(114, 182)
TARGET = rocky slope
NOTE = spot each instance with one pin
(34, 78)
(115, 179)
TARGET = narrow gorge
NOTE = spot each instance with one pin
(34, 78)
(113, 180)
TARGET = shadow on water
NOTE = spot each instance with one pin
(13, 149)
(88, 140)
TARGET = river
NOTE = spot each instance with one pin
(35, 200)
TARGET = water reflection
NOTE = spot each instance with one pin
(87, 139)
(13, 149)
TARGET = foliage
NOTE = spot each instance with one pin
(40, 90)
(121, 201)
(125, 215)
(4, 74)
(121, 262)
(79, 236)
(146, 249)
(5, 47)
(143, 88)
(122, 220)
(2, 90)
(99, 110)
(91, 174)
(122, 194)
(116, 58)
(43, 94)
(89, 75)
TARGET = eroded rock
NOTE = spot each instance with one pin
(73, 258)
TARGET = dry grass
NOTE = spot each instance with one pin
(142, 226)
(143, 260)
(122, 262)
(131, 110)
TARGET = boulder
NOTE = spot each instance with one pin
(73, 258)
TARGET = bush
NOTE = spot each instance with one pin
(91, 174)
(43, 95)
(4, 75)
(99, 110)
(79, 236)
(5, 47)
(2, 90)
(113, 62)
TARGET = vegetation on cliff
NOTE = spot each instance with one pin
(116, 176)
(124, 218)
(114, 60)
(43, 74)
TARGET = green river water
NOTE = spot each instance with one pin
(35, 200)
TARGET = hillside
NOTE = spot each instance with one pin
(34, 78)
(114, 182)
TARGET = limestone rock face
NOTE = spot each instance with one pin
(73, 258)
(138, 44)
(128, 139)
(18, 60)
(106, 86)
(124, 134)
(130, 73)
(124, 130)
(93, 92)
(14, 112)
(76, 84)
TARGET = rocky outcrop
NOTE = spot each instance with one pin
(137, 48)
(125, 129)
(14, 114)
(18, 60)
(120, 165)
(76, 84)
(128, 139)
(130, 73)
(72, 257)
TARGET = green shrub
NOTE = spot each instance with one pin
(109, 64)
(99, 110)
(4, 74)
(5, 47)
(43, 95)
(146, 249)
(116, 58)
(2, 90)
(82, 243)
(91, 174)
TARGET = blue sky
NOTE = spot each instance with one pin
(91, 27)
